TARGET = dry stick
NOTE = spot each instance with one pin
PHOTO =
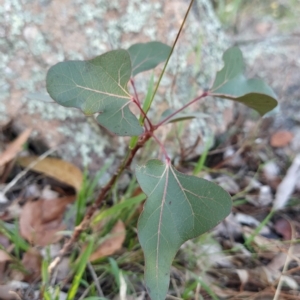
(86, 220)
(94, 275)
(197, 292)
(85, 293)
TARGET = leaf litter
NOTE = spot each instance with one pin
(41, 220)
(250, 270)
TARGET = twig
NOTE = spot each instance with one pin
(175, 287)
(197, 292)
(96, 280)
(85, 293)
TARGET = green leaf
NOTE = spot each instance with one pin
(146, 56)
(98, 85)
(230, 83)
(179, 207)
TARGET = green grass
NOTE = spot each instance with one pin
(80, 268)
(201, 162)
(87, 191)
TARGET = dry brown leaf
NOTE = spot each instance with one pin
(54, 209)
(53, 167)
(41, 220)
(113, 242)
(281, 138)
(14, 148)
(4, 259)
(283, 227)
(32, 262)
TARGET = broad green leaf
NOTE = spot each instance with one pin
(230, 83)
(98, 85)
(179, 207)
(146, 56)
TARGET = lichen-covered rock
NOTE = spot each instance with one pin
(37, 34)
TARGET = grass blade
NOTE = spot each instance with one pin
(118, 207)
(80, 269)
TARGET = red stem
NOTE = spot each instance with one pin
(162, 147)
(134, 89)
(204, 94)
(143, 113)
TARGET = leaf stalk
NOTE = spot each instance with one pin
(204, 94)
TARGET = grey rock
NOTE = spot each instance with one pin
(38, 34)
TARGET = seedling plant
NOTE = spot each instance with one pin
(179, 207)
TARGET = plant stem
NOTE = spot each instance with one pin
(162, 148)
(204, 94)
(87, 218)
(143, 113)
(134, 89)
(171, 52)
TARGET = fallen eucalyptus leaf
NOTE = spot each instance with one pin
(112, 243)
(56, 168)
(41, 220)
(14, 148)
